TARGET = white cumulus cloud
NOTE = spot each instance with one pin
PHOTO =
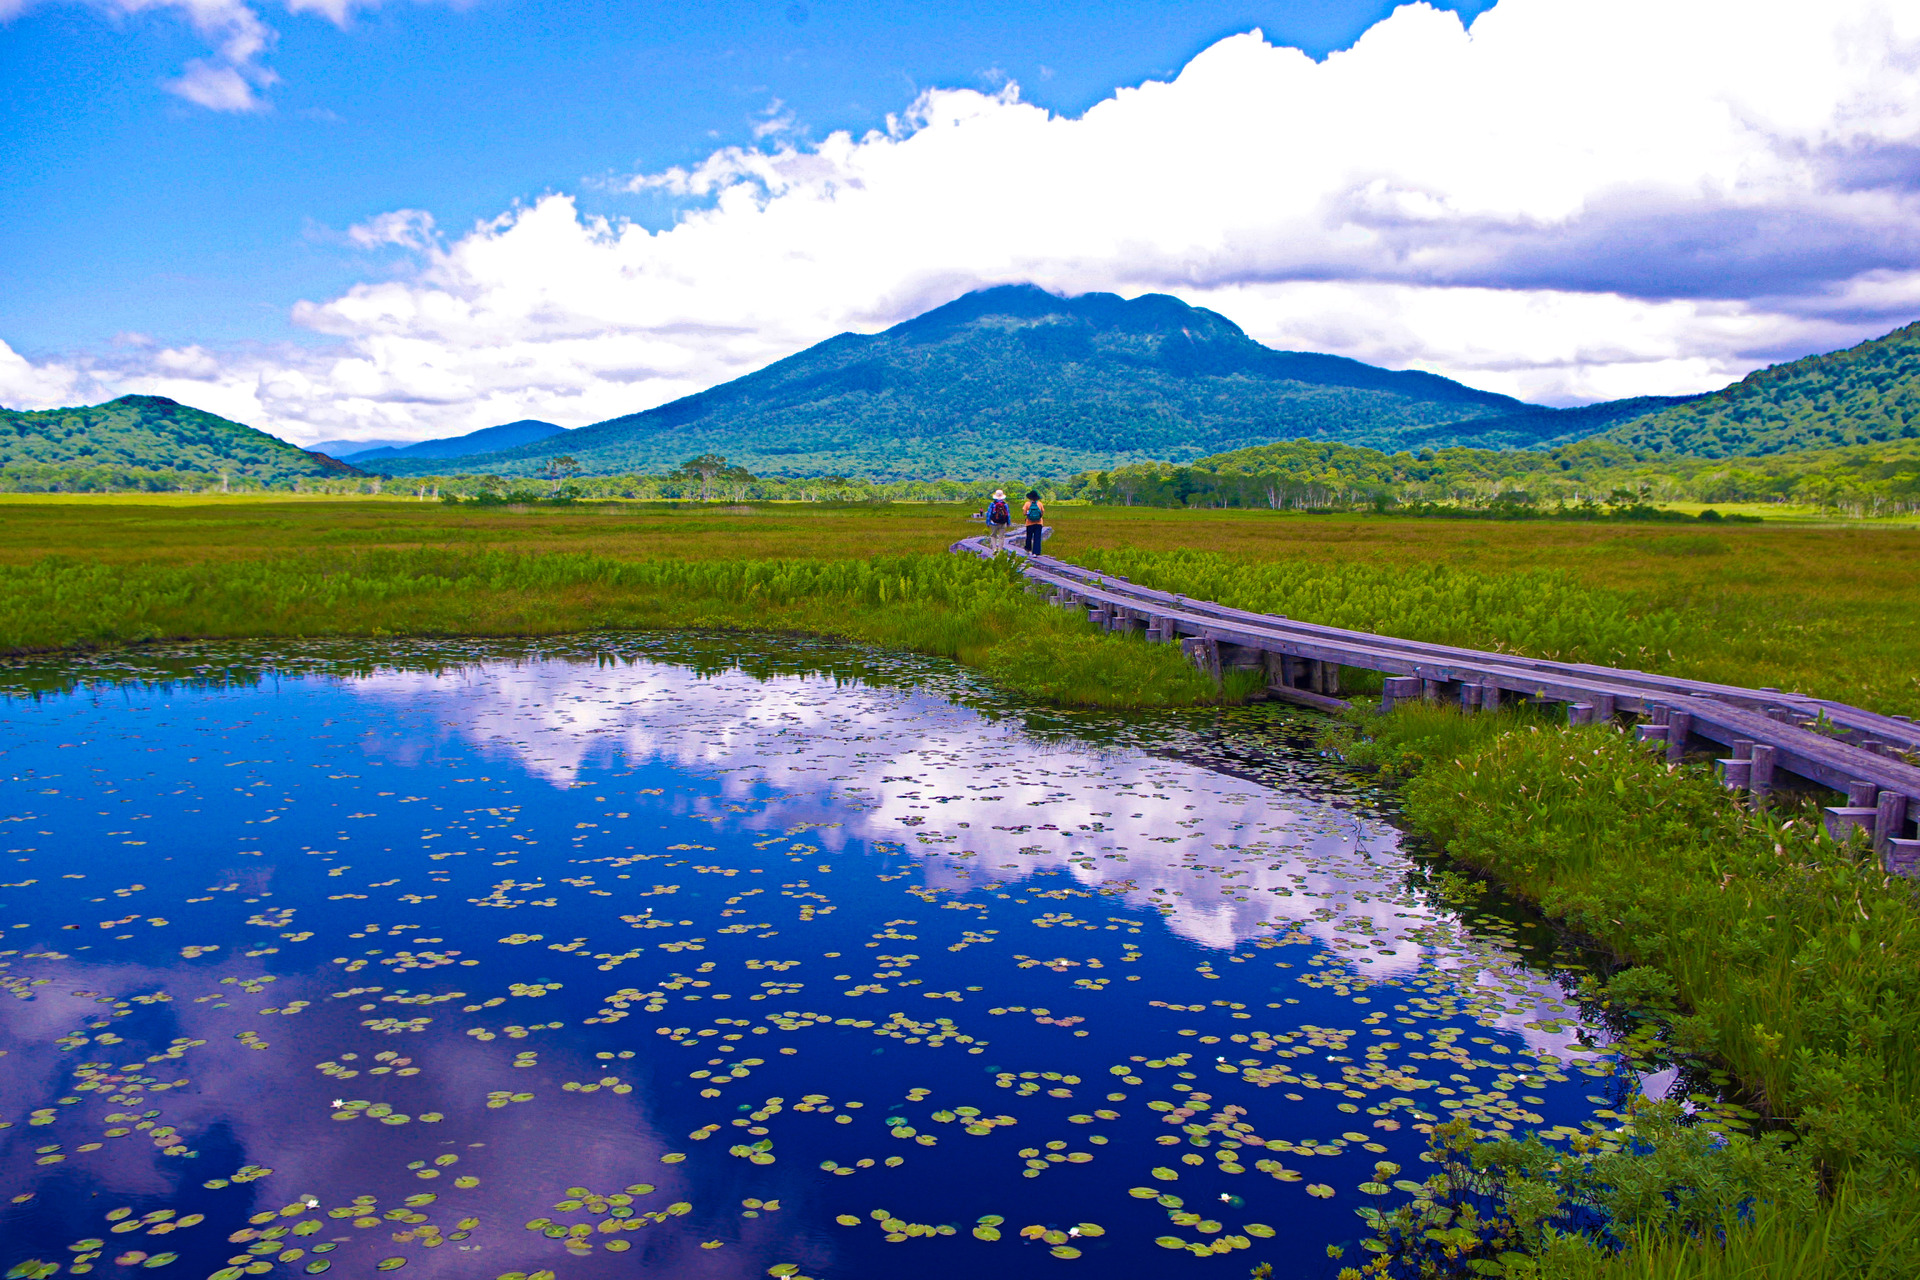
(1570, 200)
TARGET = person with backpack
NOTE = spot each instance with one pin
(1036, 521)
(998, 518)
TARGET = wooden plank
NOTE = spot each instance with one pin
(1307, 698)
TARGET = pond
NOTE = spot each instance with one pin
(716, 957)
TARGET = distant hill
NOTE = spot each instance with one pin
(151, 434)
(1541, 428)
(1862, 395)
(344, 449)
(486, 440)
(1014, 380)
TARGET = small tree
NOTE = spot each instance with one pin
(560, 469)
(737, 480)
(703, 468)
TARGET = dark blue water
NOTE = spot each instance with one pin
(613, 956)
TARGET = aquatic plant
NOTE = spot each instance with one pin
(1791, 957)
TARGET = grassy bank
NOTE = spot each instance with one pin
(953, 606)
(1756, 938)
(1815, 612)
(1822, 609)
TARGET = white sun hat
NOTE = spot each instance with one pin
(999, 493)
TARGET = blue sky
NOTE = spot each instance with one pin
(191, 225)
(339, 218)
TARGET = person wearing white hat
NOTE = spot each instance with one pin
(998, 520)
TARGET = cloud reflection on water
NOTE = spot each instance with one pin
(917, 770)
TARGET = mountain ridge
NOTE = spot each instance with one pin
(1016, 378)
(1864, 394)
(508, 435)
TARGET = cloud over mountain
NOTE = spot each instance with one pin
(1572, 199)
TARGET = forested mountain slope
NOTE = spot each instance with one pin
(150, 434)
(1016, 380)
(1861, 395)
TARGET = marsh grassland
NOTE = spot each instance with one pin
(1744, 938)
(1826, 609)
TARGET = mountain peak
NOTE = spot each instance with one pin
(1160, 313)
(1014, 378)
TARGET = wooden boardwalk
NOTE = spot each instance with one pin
(1766, 733)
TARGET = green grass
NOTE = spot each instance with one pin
(1793, 959)
(1824, 610)
(952, 606)
(1745, 607)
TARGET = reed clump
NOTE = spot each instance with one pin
(1760, 940)
(959, 607)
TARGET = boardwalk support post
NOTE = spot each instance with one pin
(1888, 823)
(1679, 725)
(1737, 769)
(1760, 779)
(1398, 689)
(1204, 653)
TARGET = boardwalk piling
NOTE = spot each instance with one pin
(1204, 653)
(1842, 820)
(1888, 823)
(1398, 689)
(1735, 770)
(1760, 780)
(1679, 724)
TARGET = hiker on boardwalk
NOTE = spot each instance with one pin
(998, 518)
(1036, 521)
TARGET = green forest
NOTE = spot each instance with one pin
(1863, 480)
(1587, 479)
(145, 443)
(1866, 394)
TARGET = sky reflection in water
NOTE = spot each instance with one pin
(850, 949)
